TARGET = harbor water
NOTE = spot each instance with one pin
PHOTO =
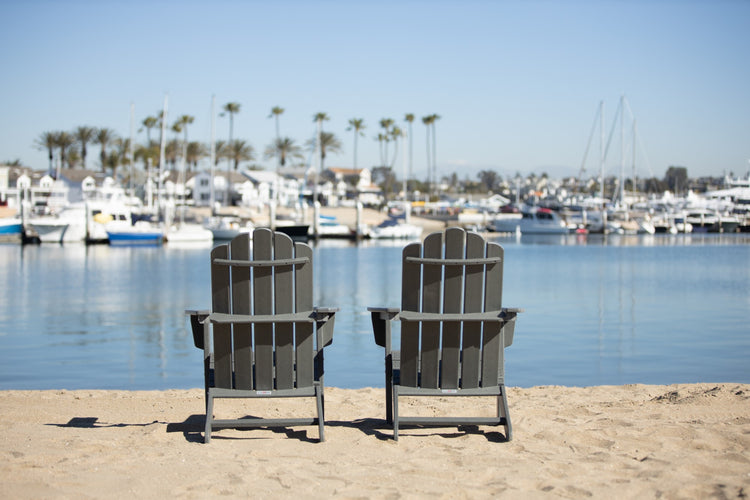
(615, 310)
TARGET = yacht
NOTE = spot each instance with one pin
(393, 228)
(540, 220)
(226, 228)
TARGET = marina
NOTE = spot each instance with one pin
(615, 309)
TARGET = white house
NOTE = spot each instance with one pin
(270, 185)
(353, 183)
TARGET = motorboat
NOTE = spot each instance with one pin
(11, 228)
(292, 228)
(710, 221)
(506, 222)
(538, 220)
(393, 228)
(49, 229)
(140, 233)
(188, 232)
(329, 227)
(226, 228)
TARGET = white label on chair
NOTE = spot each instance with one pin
(263, 393)
(449, 391)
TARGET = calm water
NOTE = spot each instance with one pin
(622, 310)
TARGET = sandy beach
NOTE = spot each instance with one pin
(635, 441)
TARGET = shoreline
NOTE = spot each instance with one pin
(645, 441)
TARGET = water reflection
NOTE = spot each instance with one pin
(598, 310)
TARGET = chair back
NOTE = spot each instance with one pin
(266, 285)
(451, 301)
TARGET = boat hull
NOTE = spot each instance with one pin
(51, 232)
(135, 238)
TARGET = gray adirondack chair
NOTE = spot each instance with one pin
(262, 338)
(453, 327)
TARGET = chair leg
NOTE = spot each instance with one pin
(209, 417)
(389, 389)
(395, 413)
(321, 413)
(504, 412)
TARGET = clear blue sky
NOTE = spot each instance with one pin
(517, 84)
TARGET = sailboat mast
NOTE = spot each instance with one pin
(635, 179)
(130, 148)
(622, 151)
(601, 167)
(212, 157)
(162, 152)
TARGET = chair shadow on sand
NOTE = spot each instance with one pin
(192, 428)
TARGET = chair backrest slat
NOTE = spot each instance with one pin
(303, 285)
(304, 333)
(263, 304)
(239, 249)
(452, 303)
(493, 293)
(432, 288)
(432, 276)
(284, 303)
(220, 302)
(473, 302)
(411, 296)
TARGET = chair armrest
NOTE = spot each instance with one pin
(325, 317)
(326, 310)
(510, 313)
(197, 316)
(380, 315)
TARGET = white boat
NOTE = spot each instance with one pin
(506, 222)
(395, 229)
(186, 232)
(81, 222)
(711, 221)
(329, 227)
(140, 233)
(11, 229)
(49, 229)
(539, 220)
(226, 228)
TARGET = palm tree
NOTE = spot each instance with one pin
(170, 152)
(409, 118)
(149, 155)
(195, 151)
(181, 126)
(395, 134)
(83, 136)
(356, 124)
(46, 140)
(428, 121)
(63, 140)
(148, 123)
(232, 108)
(433, 119)
(282, 149)
(119, 154)
(386, 124)
(239, 151)
(328, 143)
(104, 137)
(276, 111)
(221, 151)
